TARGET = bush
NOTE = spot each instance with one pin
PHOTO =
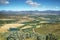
(51, 37)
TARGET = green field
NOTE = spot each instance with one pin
(41, 26)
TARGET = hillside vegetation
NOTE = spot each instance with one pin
(34, 27)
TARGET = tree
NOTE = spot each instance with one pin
(51, 37)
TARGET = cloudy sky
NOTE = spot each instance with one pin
(23, 5)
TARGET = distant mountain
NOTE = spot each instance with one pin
(2, 15)
(47, 12)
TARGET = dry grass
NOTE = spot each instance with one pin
(5, 27)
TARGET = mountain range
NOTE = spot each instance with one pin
(47, 12)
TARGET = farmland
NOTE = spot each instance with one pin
(32, 25)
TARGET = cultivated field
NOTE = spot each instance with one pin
(30, 27)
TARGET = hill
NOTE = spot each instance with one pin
(47, 12)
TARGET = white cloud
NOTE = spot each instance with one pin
(4, 2)
(34, 4)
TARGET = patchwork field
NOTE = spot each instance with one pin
(32, 25)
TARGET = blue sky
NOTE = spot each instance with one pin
(23, 5)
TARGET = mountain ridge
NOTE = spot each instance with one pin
(46, 12)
